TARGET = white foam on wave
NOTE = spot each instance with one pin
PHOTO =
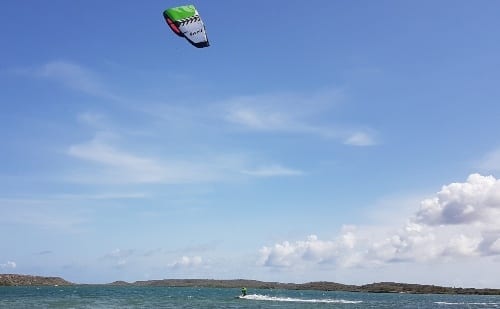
(301, 300)
(464, 303)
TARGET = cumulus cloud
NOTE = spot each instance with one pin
(494, 247)
(287, 254)
(310, 251)
(461, 221)
(8, 265)
(187, 262)
(475, 201)
(119, 256)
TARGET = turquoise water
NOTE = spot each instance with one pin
(165, 297)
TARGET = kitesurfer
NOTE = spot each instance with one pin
(243, 292)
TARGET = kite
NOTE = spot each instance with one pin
(186, 22)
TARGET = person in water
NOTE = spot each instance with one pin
(243, 291)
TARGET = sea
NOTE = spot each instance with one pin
(89, 296)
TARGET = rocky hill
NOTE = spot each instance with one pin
(393, 287)
(25, 280)
(380, 287)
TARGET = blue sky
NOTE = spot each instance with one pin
(348, 141)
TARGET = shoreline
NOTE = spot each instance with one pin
(379, 287)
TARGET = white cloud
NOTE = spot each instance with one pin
(113, 165)
(272, 171)
(119, 256)
(360, 139)
(103, 196)
(310, 251)
(260, 120)
(119, 166)
(413, 243)
(293, 113)
(73, 76)
(92, 119)
(119, 253)
(8, 265)
(495, 246)
(491, 161)
(44, 213)
(134, 168)
(187, 262)
(289, 113)
(462, 245)
(477, 200)
(461, 221)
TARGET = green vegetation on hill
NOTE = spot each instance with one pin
(381, 287)
(26, 280)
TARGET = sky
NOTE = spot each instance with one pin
(346, 141)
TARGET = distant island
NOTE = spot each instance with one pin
(26, 280)
(380, 287)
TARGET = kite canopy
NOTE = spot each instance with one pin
(186, 22)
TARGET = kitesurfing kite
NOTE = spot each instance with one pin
(186, 22)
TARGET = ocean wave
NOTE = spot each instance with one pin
(465, 303)
(301, 300)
